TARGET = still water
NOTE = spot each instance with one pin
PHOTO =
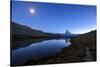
(37, 50)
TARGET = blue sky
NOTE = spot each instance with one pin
(53, 17)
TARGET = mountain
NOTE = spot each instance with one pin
(22, 29)
(68, 34)
(19, 31)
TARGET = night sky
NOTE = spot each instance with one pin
(53, 17)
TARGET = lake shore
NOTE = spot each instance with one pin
(88, 40)
(82, 49)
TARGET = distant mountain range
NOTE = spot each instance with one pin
(22, 31)
(18, 29)
(68, 34)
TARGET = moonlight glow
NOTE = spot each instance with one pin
(32, 11)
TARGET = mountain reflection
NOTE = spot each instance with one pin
(24, 43)
(35, 49)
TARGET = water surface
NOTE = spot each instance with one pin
(36, 50)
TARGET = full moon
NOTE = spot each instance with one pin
(32, 11)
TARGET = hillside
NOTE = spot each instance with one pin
(87, 39)
(18, 30)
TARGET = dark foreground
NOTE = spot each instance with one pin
(82, 50)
